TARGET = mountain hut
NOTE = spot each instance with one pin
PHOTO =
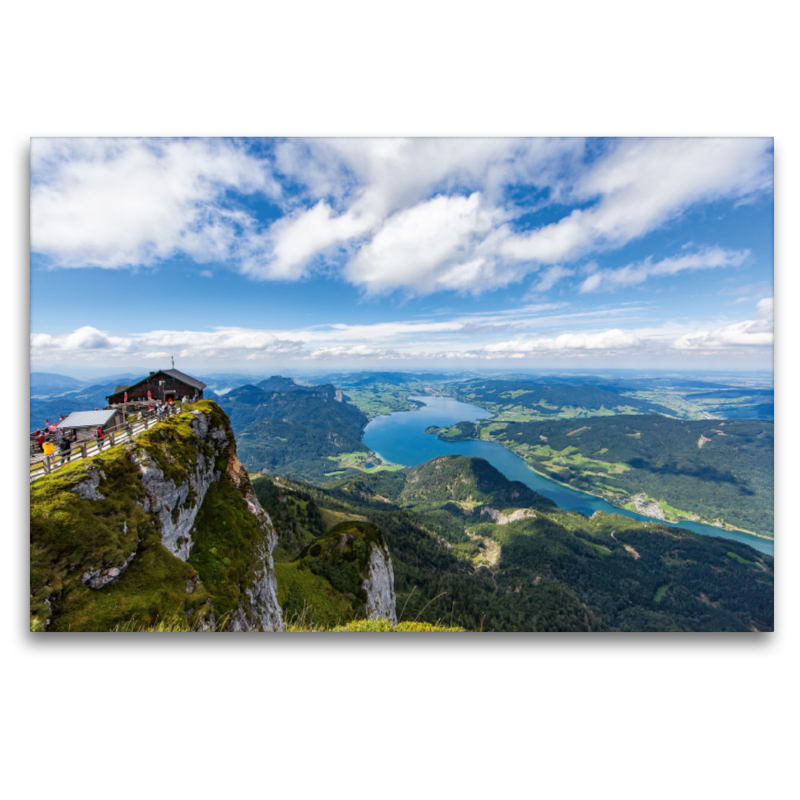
(162, 385)
(83, 424)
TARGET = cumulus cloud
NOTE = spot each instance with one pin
(643, 184)
(294, 240)
(420, 215)
(86, 338)
(127, 202)
(387, 175)
(634, 188)
(436, 244)
(91, 343)
(457, 337)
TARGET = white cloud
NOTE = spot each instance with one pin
(294, 240)
(387, 175)
(749, 333)
(86, 338)
(127, 202)
(614, 339)
(643, 184)
(549, 278)
(634, 274)
(433, 245)
(416, 214)
(461, 338)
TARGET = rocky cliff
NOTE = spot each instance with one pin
(168, 524)
(345, 574)
(378, 585)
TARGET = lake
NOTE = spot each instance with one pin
(401, 439)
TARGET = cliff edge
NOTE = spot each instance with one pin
(168, 524)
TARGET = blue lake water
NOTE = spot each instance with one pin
(401, 439)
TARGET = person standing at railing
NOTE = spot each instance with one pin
(101, 437)
(65, 447)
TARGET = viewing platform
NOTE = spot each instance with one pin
(43, 464)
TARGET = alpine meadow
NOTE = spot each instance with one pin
(401, 385)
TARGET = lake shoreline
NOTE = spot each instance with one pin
(474, 413)
(621, 508)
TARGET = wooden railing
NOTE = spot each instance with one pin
(43, 464)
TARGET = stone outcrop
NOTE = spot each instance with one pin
(266, 612)
(98, 578)
(503, 519)
(379, 585)
(88, 489)
(354, 559)
(176, 503)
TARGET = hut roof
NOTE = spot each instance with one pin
(172, 373)
(88, 419)
(182, 376)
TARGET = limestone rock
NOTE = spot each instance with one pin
(98, 578)
(379, 586)
(88, 489)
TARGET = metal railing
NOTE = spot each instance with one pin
(45, 463)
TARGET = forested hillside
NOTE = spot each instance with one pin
(486, 566)
(525, 400)
(295, 432)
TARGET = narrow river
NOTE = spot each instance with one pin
(401, 439)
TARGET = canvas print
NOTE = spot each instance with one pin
(401, 385)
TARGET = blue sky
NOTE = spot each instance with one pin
(416, 254)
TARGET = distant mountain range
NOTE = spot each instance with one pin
(50, 383)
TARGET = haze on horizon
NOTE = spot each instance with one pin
(262, 255)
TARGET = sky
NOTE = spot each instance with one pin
(443, 254)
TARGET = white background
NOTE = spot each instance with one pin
(645, 716)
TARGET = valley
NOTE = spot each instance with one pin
(540, 506)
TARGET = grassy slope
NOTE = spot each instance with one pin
(320, 558)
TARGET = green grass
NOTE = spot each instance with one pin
(603, 550)
(302, 593)
(178, 624)
(332, 518)
(741, 560)
(385, 626)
